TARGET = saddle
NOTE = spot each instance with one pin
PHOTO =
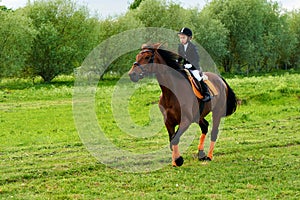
(197, 91)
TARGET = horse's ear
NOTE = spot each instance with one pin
(165, 44)
(159, 45)
(144, 46)
(147, 46)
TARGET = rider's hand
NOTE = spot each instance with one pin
(188, 66)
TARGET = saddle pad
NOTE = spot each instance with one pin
(211, 87)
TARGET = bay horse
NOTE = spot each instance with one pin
(178, 104)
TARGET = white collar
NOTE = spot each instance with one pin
(185, 46)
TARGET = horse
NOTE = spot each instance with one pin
(178, 103)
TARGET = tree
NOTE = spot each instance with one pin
(135, 4)
(65, 36)
(16, 36)
(151, 13)
(163, 14)
(256, 29)
(4, 8)
(109, 28)
(294, 27)
(211, 34)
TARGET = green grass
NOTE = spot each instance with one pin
(257, 155)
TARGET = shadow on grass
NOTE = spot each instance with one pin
(260, 74)
(38, 83)
(22, 83)
(107, 80)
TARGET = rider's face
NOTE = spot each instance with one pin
(183, 38)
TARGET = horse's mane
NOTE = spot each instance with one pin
(170, 58)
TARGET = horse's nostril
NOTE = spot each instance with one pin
(132, 74)
(134, 77)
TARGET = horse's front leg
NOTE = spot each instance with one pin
(177, 159)
(175, 149)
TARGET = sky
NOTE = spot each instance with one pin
(107, 8)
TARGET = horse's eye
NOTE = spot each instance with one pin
(147, 57)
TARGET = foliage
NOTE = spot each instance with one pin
(65, 35)
(258, 34)
(135, 4)
(294, 27)
(211, 34)
(159, 13)
(256, 155)
(109, 28)
(4, 8)
(53, 37)
(16, 37)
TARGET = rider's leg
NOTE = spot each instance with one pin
(205, 93)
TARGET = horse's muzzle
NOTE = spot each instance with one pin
(134, 77)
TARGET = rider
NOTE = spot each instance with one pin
(189, 57)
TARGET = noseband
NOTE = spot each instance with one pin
(150, 61)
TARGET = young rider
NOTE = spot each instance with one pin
(189, 57)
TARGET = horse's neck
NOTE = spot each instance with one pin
(166, 83)
(165, 77)
(166, 92)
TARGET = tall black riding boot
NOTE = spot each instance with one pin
(205, 93)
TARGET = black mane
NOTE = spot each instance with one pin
(170, 58)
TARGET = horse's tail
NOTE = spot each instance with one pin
(231, 100)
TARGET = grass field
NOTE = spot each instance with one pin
(257, 155)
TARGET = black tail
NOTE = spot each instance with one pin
(231, 100)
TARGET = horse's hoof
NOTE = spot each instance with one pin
(203, 158)
(179, 161)
(201, 155)
(207, 159)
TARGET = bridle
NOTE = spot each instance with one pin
(151, 61)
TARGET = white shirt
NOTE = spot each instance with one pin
(185, 46)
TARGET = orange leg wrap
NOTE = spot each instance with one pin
(211, 149)
(175, 154)
(201, 142)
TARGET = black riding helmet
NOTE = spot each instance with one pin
(186, 31)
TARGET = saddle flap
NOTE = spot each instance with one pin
(213, 91)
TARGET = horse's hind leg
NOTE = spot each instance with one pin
(214, 135)
(204, 128)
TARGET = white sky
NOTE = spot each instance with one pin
(113, 7)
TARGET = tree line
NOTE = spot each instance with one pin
(47, 38)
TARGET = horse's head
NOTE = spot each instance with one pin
(143, 62)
